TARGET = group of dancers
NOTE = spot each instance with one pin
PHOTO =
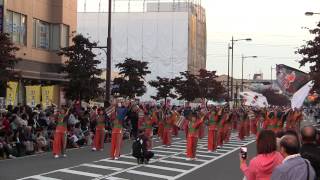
(220, 122)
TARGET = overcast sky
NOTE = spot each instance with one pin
(274, 25)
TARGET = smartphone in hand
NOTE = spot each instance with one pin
(243, 152)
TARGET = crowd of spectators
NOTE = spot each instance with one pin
(25, 130)
(285, 156)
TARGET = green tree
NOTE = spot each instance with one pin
(311, 56)
(131, 82)
(164, 88)
(82, 71)
(7, 60)
(187, 86)
(209, 88)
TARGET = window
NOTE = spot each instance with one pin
(16, 27)
(50, 36)
(65, 36)
(55, 36)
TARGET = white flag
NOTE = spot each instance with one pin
(299, 97)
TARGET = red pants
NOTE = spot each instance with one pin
(212, 140)
(227, 133)
(247, 128)
(241, 131)
(175, 131)
(98, 139)
(201, 131)
(191, 147)
(115, 144)
(254, 127)
(59, 143)
(220, 136)
(160, 130)
(166, 138)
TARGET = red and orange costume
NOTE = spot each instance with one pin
(167, 131)
(192, 140)
(98, 141)
(60, 136)
(116, 137)
(212, 131)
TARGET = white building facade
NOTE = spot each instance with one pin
(171, 36)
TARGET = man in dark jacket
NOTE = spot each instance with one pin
(309, 149)
(145, 144)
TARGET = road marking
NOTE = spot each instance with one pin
(178, 163)
(178, 146)
(206, 163)
(39, 177)
(164, 168)
(129, 157)
(116, 178)
(102, 167)
(177, 157)
(163, 151)
(149, 174)
(118, 162)
(80, 173)
(171, 148)
(201, 155)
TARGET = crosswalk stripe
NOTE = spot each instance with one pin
(155, 150)
(178, 163)
(178, 145)
(129, 157)
(210, 152)
(177, 157)
(80, 173)
(102, 167)
(201, 155)
(118, 162)
(170, 148)
(115, 178)
(165, 168)
(43, 178)
(149, 174)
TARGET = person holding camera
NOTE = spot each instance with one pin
(267, 159)
(141, 148)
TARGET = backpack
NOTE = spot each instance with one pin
(137, 148)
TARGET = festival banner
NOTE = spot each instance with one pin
(33, 94)
(12, 93)
(300, 96)
(50, 95)
(289, 79)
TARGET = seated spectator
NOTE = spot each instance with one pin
(5, 149)
(293, 166)
(42, 143)
(262, 166)
(140, 148)
(309, 149)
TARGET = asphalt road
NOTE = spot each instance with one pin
(169, 163)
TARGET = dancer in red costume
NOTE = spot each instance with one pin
(193, 133)
(116, 137)
(175, 117)
(167, 131)
(160, 117)
(98, 141)
(60, 135)
(212, 130)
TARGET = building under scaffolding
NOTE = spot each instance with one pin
(169, 34)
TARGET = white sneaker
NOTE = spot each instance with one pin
(210, 151)
(56, 156)
(188, 159)
(193, 159)
(116, 158)
(64, 155)
(94, 149)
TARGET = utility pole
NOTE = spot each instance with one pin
(228, 80)
(107, 102)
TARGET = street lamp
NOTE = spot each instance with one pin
(244, 57)
(310, 13)
(232, 44)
